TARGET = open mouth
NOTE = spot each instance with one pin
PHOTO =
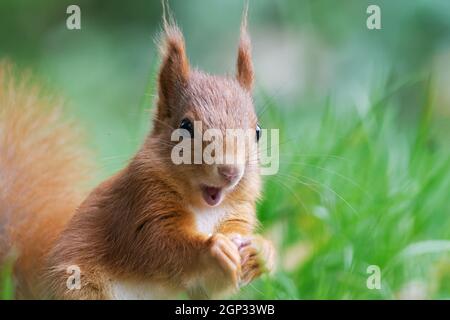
(212, 195)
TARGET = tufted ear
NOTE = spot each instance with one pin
(244, 60)
(174, 71)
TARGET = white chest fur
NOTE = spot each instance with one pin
(207, 219)
(144, 290)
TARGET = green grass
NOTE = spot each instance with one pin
(6, 281)
(357, 190)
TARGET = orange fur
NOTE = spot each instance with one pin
(43, 171)
(244, 61)
(139, 226)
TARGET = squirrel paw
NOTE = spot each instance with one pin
(257, 257)
(225, 254)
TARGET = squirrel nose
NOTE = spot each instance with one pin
(230, 173)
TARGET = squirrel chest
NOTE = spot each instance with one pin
(207, 219)
(206, 222)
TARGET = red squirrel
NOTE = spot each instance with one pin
(155, 229)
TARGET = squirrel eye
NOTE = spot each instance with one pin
(186, 124)
(258, 132)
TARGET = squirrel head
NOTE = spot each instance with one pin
(216, 115)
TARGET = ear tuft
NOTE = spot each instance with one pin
(244, 61)
(174, 71)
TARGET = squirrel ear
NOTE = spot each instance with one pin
(174, 71)
(244, 61)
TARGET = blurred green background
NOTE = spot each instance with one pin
(363, 118)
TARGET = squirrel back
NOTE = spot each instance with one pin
(43, 171)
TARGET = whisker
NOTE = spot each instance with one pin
(354, 183)
(270, 99)
(162, 122)
(330, 189)
(281, 182)
(308, 185)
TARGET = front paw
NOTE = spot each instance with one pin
(224, 256)
(257, 257)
